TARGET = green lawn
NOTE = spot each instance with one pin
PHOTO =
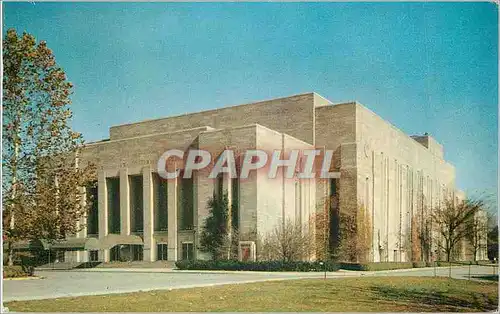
(381, 294)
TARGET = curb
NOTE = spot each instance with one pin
(25, 278)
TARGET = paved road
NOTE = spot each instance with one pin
(105, 281)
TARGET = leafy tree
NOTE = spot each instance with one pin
(215, 234)
(41, 177)
(451, 219)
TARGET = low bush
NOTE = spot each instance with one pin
(445, 263)
(465, 263)
(14, 272)
(257, 266)
(420, 264)
(376, 266)
(307, 266)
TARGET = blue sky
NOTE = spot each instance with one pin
(425, 67)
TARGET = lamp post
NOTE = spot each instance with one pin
(324, 268)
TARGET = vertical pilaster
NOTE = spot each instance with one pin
(227, 187)
(102, 192)
(81, 256)
(172, 219)
(124, 203)
(205, 189)
(149, 253)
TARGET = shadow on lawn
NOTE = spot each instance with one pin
(435, 301)
(487, 277)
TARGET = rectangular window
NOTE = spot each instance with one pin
(161, 204)
(59, 256)
(298, 202)
(162, 254)
(93, 256)
(186, 202)
(333, 187)
(114, 253)
(113, 187)
(187, 251)
(137, 252)
(334, 194)
(219, 186)
(235, 202)
(136, 204)
(93, 213)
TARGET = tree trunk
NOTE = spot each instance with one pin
(10, 261)
(12, 205)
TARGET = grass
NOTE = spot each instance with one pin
(368, 294)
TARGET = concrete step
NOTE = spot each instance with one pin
(59, 266)
(138, 264)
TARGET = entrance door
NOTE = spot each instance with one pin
(162, 251)
(187, 251)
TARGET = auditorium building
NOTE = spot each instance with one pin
(136, 215)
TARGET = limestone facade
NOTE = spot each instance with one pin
(393, 176)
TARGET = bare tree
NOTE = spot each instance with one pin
(450, 221)
(477, 232)
(354, 235)
(288, 242)
(364, 237)
(322, 221)
(343, 234)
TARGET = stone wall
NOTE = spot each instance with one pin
(398, 179)
(393, 176)
(293, 115)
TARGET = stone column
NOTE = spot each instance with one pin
(172, 218)
(82, 256)
(149, 253)
(103, 213)
(204, 191)
(124, 202)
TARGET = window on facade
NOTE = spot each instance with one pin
(187, 251)
(161, 204)
(93, 214)
(186, 203)
(334, 193)
(114, 253)
(235, 202)
(367, 193)
(333, 187)
(219, 187)
(137, 252)
(162, 252)
(136, 204)
(113, 187)
(59, 256)
(298, 199)
(93, 256)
